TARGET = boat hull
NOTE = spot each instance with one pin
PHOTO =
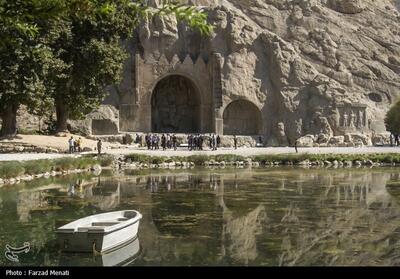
(119, 257)
(94, 239)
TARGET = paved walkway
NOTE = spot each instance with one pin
(240, 151)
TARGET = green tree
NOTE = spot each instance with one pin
(392, 119)
(23, 58)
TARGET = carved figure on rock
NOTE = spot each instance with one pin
(325, 127)
(345, 119)
(352, 119)
(336, 118)
(281, 135)
(299, 127)
(360, 122)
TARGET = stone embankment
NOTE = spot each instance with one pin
(27, 177)
(136, 161)
(12, 172)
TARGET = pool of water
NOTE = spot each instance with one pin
(218, 217)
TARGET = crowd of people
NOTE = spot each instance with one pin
(75, 145)
(164, 142)
(394, 139)
(167, 141)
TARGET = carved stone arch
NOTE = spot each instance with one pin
(176, 105)
(242, 117)
(175, 73)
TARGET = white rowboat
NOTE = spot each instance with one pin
(101, 232)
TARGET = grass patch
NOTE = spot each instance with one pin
(37, 166)
(198, 160)
(138, 158)
(62, 164)
(228, 158)
(11, 169)
(106, 161)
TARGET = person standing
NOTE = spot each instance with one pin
(190, 142)
(148, 141)
(235, 141)
(391, 139)
(195, 143)
(214, 142)
(168, 141)
(218, 141)
(174, 141)
(163, 142)
(71, 144)
(78, 144)
(153, 142)
(99, 145)
(200, 142)
(295, 146)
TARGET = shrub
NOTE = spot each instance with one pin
(138, 158)
(38, 166)
(85, 162)
(106, 161)
(228, 158)
(157, 160)
(11, 169)
(199, 159)
(64, 164)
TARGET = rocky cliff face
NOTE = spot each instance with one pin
(326, 67)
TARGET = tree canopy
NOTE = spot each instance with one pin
(392, 119)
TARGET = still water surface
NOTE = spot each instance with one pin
(269, 217)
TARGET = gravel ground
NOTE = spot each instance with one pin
(240, 151)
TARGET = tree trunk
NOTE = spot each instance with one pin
(9, 121)
(62, 115)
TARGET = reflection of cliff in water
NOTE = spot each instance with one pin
(186, 209)
(341, 202)
(244, 217)
(361, 229)
(239, 234)
(35, 199)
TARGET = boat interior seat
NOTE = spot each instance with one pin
(86, 229)
(130, 214)
(122, 219)
(68, 230)
(105, 224)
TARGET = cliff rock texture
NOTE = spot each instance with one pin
(327, 68)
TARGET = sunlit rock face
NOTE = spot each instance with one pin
(323, 68)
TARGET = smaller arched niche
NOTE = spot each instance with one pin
(242, 117)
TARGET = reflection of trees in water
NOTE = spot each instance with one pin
(36, 199)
